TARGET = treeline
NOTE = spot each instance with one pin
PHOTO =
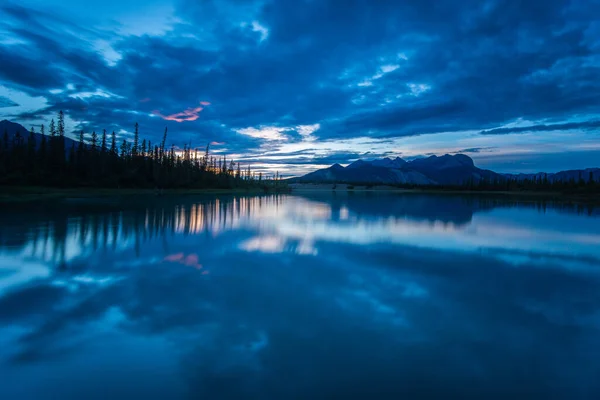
(539, 183)
(48, 158)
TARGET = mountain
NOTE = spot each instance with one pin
(445, 170)
(452, 170)
(11, 128)
(389, 163)
(364, 172)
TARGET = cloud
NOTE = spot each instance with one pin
(257, 27)
(544, 128)
(306, 131)
(264, 132)
(85, 95)
(190, 114)
(412, 68)
(307, 158)
(474, 150)
(6, 102)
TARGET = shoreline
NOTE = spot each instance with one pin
(12, 194)
(16, 194)
(343, 189)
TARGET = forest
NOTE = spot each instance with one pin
(48, 158)
(540, 183)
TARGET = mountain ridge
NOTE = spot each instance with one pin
(457, 169)
(12, 128)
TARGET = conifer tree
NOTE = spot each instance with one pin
(94, 142)
(124, 149)
(43, 146)
(206, 157)
(136, 140)
(53, 142)
(31, 146)
(103, 141)
(61, 136)
(113, 144)
(162, 145)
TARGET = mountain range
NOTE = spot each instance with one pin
(457, 169)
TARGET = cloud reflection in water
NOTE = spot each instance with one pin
(311, 294)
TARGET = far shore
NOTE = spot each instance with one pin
(347, 188)
(9, 194)
(321, 187)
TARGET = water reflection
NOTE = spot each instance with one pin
(300, 296)
(60, 233)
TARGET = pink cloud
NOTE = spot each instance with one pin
(174, 257)
(217, 143)
(190, 114)
(192, 261)
(145, 100)
(180, 258)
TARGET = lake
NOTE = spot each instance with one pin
(311, 296)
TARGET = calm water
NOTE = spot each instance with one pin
(282, 297)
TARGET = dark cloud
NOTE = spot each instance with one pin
(6, 102)
(381, 69)
(474, 150)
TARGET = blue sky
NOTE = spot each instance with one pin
(297, 85)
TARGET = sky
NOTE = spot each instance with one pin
(296, 85)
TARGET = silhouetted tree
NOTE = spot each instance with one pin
(103, 146)
(94, 142)
(42, 155)
(136, 140)
(113, 144)
(142, 164)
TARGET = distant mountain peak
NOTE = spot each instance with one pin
(357, 163)
(6, 123)
(445, 161)
(386, 162)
